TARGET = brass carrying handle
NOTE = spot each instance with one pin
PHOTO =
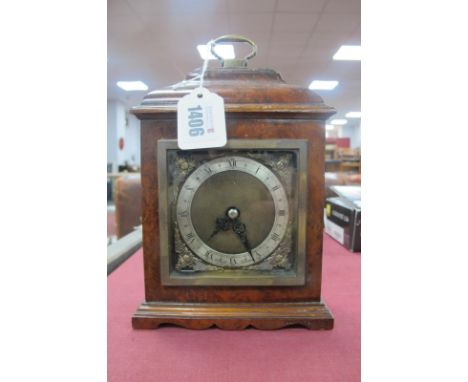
(233, 38)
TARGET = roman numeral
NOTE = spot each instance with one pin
(232, 162)
(189, 237)
(232, 261)
(275, 236)
(281, 212)
(184, 214)
(257, 170)
(208, 170)
(189, 188)
(275, 188)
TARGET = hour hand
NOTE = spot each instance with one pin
(222, 224)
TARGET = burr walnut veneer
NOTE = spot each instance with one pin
(259, 106)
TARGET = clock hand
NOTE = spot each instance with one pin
(240, 229)
(222, 224)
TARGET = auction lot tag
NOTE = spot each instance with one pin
(201, 121)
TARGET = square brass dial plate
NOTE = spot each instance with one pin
(285, 160)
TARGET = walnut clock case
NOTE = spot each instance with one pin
(232, 236)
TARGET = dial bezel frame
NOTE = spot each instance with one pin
(169, 276)
(217, 166)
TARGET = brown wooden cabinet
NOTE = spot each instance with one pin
(262, 109)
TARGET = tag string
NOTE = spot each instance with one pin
(202, 75)
(205, 66)
(198, 78)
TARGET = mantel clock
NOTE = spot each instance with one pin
(232, 236)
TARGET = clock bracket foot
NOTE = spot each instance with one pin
(312, 315)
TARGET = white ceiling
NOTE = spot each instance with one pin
(155, 41)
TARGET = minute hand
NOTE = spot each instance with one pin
(241, 231)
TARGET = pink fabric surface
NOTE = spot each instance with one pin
(292, 354)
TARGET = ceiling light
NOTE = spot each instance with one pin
(338, 122)
(353, 114)
(348, 52)
(329, 127)
(226, 51)
(132, 85)
(323, 85)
